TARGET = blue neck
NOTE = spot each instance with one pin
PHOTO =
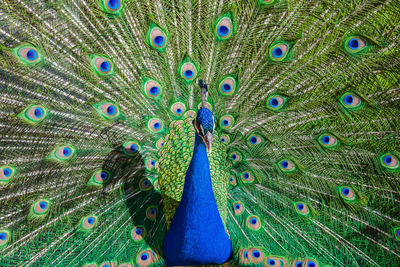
(197, 235)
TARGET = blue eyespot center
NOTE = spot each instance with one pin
(285, 164)
(346, 191)
(154, 90)
(274, 102)
(237, 206)
(246, 255)
(105, 66)
(325, 139)
(348, 99)
(223, 30)
(253, 140)
(299, 264)
(153, 211)
(179, 110)
(189, 74)
(256, 254)
(138, 231)
(277, 52)
(271, 262)
(253, 221)
(234, 157)
(111, 110)
(388, 159)
(7, 172)
(225, 122)
(159, 40)
(133, 148)
(114, 4)
(43, 205)
(38, 112)
(66, 151)
(103, 176)
(3, 236)
(153, 162)
(90, 220)
(246, 175)
(353, 44)
(311, 264)
(226, 87)
(31, 55)
(300, 206)
(157, 125)
(398, 232)
(223, 140)
(144, 256)
(146, 182)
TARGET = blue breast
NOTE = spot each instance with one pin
(197, 235)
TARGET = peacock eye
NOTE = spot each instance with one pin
(256, 256)
(4, 237)
(178, 108)
(287, 166)
(131, 148)
(276, 102)
(238, 208)
(28, 54)
(63, 153)
(301, 208)
(157, 38)
(34, 114)
(101, 65)
(107, 110)
(155, 125)
(396, 233)
(279, 51)
(235, 157)
(146, 258)
(99, 177)
(88, 222)
(227, 85)
(152, 88)
(226, 122)
(41, 207)
(247, 177)
(145, 184)
(351, 101)
(355, 44)
(346, 193)
(138, 233)
(224, 27)
(188, 70)
(390, 162)
(310, 263)
(6, 173)
(151, 213)
(232, 180)
(253, 222)
(112, 6)
(254, 140)
(150, 163)
(328, 141)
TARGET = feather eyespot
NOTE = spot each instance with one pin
(235, 157)
(225, 139)
(238, 208)
(6, 173)
(279, 51)
(328, 141)
(112, 6)
(145, 184)
(151, 213)
(131, 148)
(397, 233)
(351, 101)
(276, 261)
(4, 237)
(150, 163)
(178, 108)
(152, 88)
(157, 38)
(254, 140)
(34, 114)
(287, 166)
(224, 27)
(41, 207)
(226, 122)
(160, 143)
(102, 65)
(232, 180)
(310, 263)
(227, 85)
(347, 193)
(276, 102)
(138, 233)
(244, 256)
(190, 114)
(28, 54)
(247, 177)
(188, 70)
(355, 44)
(301, 208)
(107, 110)
(146, 258)
(99, 177)
(253, 222)
(255, 255)
(62, 153)
(390, 162)
(88, 222)
(155, 125)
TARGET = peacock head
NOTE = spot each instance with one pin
(204, 123)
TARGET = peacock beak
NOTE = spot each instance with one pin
(208, 138)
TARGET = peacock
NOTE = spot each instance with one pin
(199, 133)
